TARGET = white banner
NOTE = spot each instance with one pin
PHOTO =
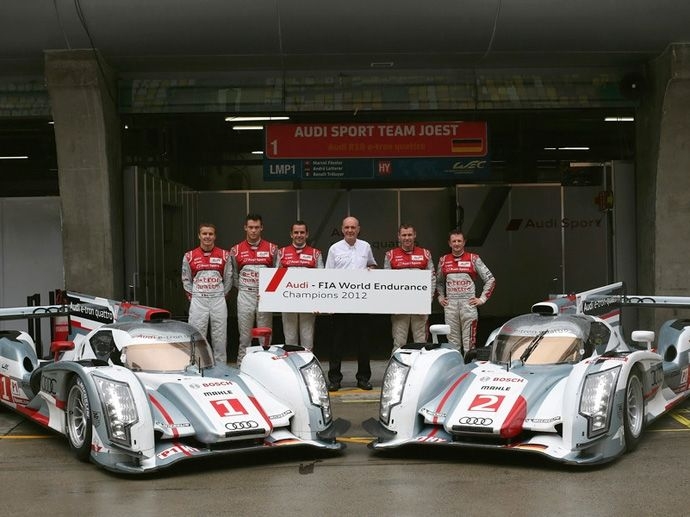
(364, 291)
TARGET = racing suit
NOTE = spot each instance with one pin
(207, 280)
(455, 281)
(298, 327)
(416, 258)
(246, 260)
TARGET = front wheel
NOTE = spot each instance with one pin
(633, 416)
(79, 425)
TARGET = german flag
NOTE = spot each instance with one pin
(468, 146)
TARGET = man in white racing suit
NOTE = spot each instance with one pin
(207, 280)
(456, 278)
(248, 257)
(298, 327)
(409, 256)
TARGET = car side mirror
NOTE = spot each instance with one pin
(644, 336)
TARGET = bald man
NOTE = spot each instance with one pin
(349, 253)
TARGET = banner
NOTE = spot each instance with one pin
(452, 139)
(360, 291)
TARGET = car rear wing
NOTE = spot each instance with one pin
(604, 302)
(90, 312)
(78, 314)
(658, 302)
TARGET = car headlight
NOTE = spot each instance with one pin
(118, 407)
(316, 387)
(392, 388)
(597, 399)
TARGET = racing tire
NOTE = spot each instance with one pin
(633, 414)
(78, 425)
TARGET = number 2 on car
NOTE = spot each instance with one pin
(489, 403)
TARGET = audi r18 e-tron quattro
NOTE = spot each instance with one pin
(560, 381)
(142, 392)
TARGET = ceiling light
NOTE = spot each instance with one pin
(257, 152)
(247, 128)
(253, 119)
(619, 119)
(23, 157)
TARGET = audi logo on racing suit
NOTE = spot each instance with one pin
(473, 420)
(247, 424)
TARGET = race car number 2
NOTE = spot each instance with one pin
(489, 403)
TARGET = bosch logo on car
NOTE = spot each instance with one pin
(473, 420)
(237, 426)
(215, 383)
(507, 379)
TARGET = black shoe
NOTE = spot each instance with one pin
(364, 385)
(333, 386)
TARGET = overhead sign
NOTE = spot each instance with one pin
(377, 151)
(376, 140)
(375, 291)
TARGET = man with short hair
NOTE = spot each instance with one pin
(298, 327)
(456, 278)
(349, 253)
(207, 280)
(409, 256)
(248, 257)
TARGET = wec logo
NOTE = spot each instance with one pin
(468, 167)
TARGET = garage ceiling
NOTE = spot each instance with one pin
(151, 38)
(138, 35)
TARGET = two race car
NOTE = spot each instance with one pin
(561, 381)
(135, 391)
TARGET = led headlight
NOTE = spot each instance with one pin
(392, 388)
(597, 399)
(316, 386)
(118, 407)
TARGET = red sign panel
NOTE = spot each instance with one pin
(376, 140)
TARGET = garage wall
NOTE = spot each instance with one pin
(30, 251)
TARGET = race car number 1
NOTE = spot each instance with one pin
(228, 407)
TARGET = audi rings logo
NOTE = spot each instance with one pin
(473, 420)
(237, 426)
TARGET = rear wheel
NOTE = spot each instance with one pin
(633, 417)
(79, 425)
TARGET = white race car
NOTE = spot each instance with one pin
(143, 392)
(560, 382)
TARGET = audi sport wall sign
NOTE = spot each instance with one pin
(375, 291)
(378, 151)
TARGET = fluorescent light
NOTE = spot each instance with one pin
(253, 119)
(257, 152)
(24, 157)
(247, 128)
(619, 119)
